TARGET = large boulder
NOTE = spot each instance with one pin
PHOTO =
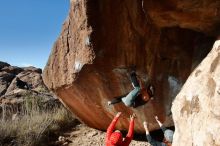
(198, 15)
(196, 109)
(101, 39)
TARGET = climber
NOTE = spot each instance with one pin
(115, 138)
(168, 135)
(21, 84)
(129, 100)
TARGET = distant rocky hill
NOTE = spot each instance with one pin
(11, 93)
(8, 74)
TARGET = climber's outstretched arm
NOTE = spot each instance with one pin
(111, 127)
(160, 124)
(130, 134)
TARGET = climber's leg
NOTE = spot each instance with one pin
(115, 100)
(130, 98)
(134, 79)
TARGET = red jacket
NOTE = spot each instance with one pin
(127, 139)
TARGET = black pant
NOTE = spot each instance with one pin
(116, 100)
(134, 79)
(154, 142)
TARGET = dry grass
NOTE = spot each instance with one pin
(35, 124)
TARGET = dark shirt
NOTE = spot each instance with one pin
(154, 142)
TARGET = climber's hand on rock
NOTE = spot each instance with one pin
(156, 118)
(109, 103)
(145, 125)
(118, 114)
(132, 116)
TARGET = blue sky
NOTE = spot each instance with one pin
(29, 28)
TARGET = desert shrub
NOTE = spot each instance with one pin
(34, 124)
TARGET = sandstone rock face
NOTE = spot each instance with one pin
(100, 40)
(196, 109)
(198, 15)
